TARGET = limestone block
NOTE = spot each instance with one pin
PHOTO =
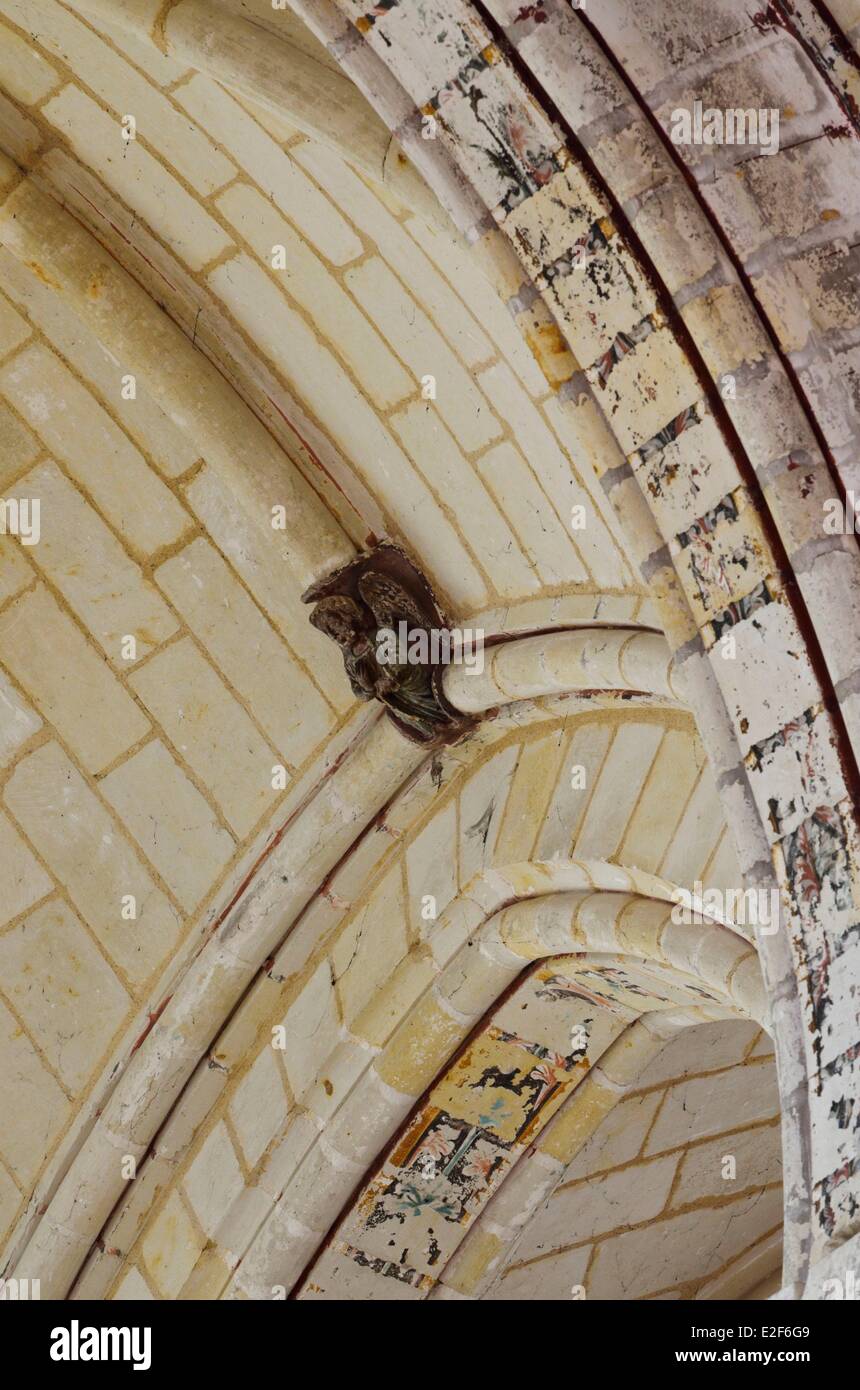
(686, 476)
(35, 1105)
(370, 946)
(723, 556)
(356, 428)
(170, 1247)
(18, 720)
(769, 641)
(618, 1138)
(706, 1105)
(538, 528)
(757, 1155)
(554, 1278)
(95, 63)
(172, 452)
(831, 588)
(832, 384)
(420, 1046)
(211, 731)
(258, 558)
(140, 179)
(606, 295)
(585, 1210)
(536, 439)
(418, 344)
(345, 1065)
(815, 292)
(170, 820)
(95, 716)
(567, 804)
(81, 434)
(343, 1273)
(617, 790)
(94, 861)
(674, 235)
(133, 1288)
(646, 388)
(663, 1254)
(14, 330)
(285, 703)
(309, 282)
(282, 1161)
(630, 159)
(655, 47)
(193, 393)
(651, 830)
(93, 572)
(804, 189)
(15, 572)
(18, 447)
(438, 457)
(213, 1180)
(19, 137)
(726, 329)
(795, 771)
(49, 964)
(475, 293)
(24, 73)
(312, 1028)
(272, 169)
(552, 220)
(26, 881)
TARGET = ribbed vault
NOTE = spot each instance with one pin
(436, 275)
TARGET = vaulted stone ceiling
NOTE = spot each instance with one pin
(293, 1005)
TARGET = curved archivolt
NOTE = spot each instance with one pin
(349, 968)
(275, 285)
(570, 1018)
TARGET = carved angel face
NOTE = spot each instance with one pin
(339, 617)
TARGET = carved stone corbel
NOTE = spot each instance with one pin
(381, 594)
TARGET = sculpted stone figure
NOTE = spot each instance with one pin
(373, 595)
